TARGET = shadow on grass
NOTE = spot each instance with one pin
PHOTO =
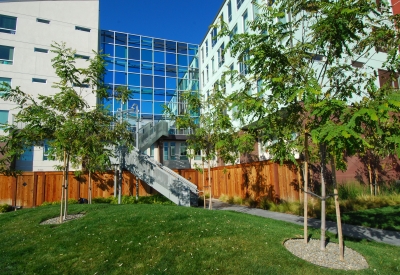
(387, 218)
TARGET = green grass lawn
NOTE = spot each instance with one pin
(162, 239)
(382, 218)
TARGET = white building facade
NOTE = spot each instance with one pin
(237, 14)
(27, 30)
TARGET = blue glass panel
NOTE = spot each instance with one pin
(120, 78)
(120, 38)
(109, 63)
(134, 53)
(170, 94)
(194, 85)
(147, 43)
(182, 48)
(183, 72)
(183, 84)
(120, 51)
(170, 46)
(147, 94)
(120, 65)
(132, 102)
(159, 69)
(147, 107)
(135, 92)
(171, 83)
(110, 92)
(171, 70)
(133, 66)
(134, 79)
(159, 95)
(107, 103)
(107, 37)
(159, 108)
(108, 77)
(108, 49)
(159, 57)
(147, 80)
(159, 44)
(147, 68)
(171, 58)
(193, 62)
(134, 40)
(159, 82)
(117, 105)
(193, 49)
(182, 60)
(147, 55)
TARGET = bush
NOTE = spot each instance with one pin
(5, 208)
(102, 200)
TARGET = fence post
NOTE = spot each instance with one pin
(14, 192)
(34, 191)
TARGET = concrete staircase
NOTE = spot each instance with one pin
(168, 183)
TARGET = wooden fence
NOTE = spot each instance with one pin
(254, 180)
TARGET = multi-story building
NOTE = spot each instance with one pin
(157, 71)
(27, 30)
(214, 61)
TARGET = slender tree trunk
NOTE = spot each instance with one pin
(204, 195)
(66, 187)
(209, 183)
(62, 187)
(376, 181)
(305, 188)
(90, 188)
(323, 197)
(370, 177)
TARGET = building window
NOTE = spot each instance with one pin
(202, 55)
(214, 38)
(6, 55)
(212, 66)
(207, 73)
(221, 56)
(230, 11)
(389, 79)
(206, 48)
(239, 3)
(8, 24)
(39, 80)
(80, 56)
(183, 151)
(165, 151)
(44, 21)
(357, 64)
(78, 28)
(245, 21)
(40, 50)
(3, 118)
(4, 81)
(243, 66)
(233, 32)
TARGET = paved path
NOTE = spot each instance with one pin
(354, 231)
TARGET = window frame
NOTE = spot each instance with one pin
(6, 30)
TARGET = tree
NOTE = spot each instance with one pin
(212, 133)
(312, 60)
(75, 132)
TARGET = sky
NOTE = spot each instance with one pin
(180, 20)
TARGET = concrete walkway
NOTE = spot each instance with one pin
(354, 231)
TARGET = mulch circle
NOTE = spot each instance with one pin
(312, 253)
(56, 220)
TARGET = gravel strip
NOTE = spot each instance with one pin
(329, 258)
(56, 220)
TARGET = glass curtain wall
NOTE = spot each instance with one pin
(156, 70)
